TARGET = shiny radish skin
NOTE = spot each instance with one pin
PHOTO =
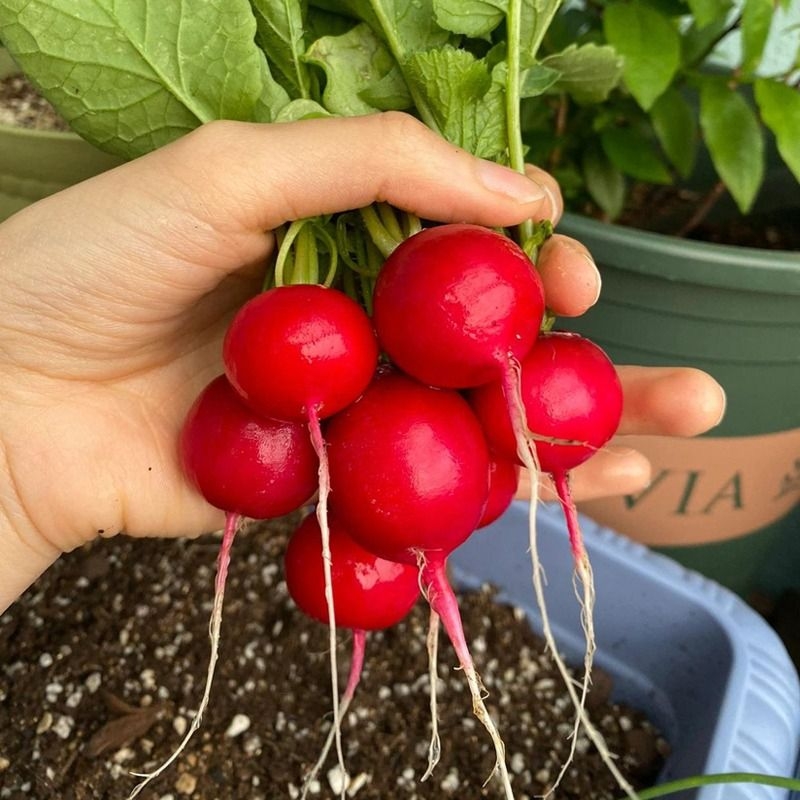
(453, 303)
(503, 484)
(243, 463)
(409, 468)
(571, 392)
(296, 349)
(369, 592)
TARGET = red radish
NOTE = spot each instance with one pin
(503, 484)
(370, 593)
(572, 400)
(572, 397)
(304, 352)
(453, 303)
(245, 465)
(410, 480)
(409, 468)
(297, 349)
(242, 463)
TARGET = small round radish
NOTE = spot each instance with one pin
(503, 484)
(410, 480)
(303, 352)
(572, 398)
(246, 465)
(453, 303)
(243, 463)
(296, 348)
(409, 468)
(370, 592)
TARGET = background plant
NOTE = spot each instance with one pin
(678, 102)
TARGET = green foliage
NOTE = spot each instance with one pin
(650, 45)
(734, 138)
(677, 100)
(609, 92)
(132, 76)
(466, 102)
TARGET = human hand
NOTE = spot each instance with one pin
(115, 295)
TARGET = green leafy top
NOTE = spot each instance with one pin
(132, 76)
(600, 93)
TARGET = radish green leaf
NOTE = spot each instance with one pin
(281, 34)
(466, 102)
(352, 63)
(133, 76)
(475, 18)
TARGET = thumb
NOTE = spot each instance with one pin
(256, 177)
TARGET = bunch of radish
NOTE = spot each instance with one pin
(410, 428)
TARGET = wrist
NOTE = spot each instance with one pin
(26, 554)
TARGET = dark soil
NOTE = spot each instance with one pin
(103, 662)
(710, 217)
(785, 618)
(22, 106)
(783, 614)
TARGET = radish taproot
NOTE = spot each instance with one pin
(247, 466)
(410, 481)
(370, 593)
(572, 400)
(303, 352)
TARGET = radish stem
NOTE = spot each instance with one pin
(356, 667)
(223, 561)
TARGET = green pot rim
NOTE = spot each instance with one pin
(18, 132)
(675, 259)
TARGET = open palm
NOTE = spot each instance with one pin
(115, 295)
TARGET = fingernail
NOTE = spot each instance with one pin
(513, 184)
(598, 277)
(595, 277)
(724, 406)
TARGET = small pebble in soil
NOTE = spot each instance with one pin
(75, 728)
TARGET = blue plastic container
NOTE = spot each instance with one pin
(707, 670)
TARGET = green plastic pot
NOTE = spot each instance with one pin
(725, 504)
(34, 164)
